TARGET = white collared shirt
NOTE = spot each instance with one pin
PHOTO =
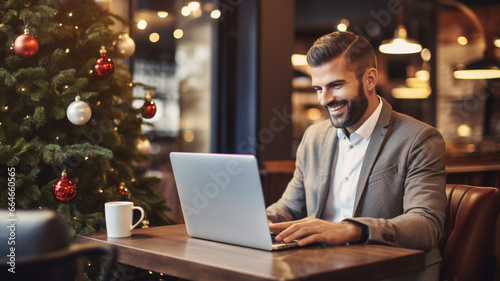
(346, 169)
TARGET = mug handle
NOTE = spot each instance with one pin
(142, 216)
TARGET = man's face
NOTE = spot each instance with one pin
(340, 92)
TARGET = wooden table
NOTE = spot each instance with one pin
(169, 250)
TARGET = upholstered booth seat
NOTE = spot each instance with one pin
(469, 228)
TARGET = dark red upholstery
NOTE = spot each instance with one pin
(471, 214)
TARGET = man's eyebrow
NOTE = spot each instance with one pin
(338, 81)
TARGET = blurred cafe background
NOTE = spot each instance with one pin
(231, 76)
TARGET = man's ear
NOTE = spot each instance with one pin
(371, 79)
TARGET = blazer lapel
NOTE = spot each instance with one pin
(329, 148)
(376, 140)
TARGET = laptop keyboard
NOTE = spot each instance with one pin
(273, 237)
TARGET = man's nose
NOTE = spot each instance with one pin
(325, 98)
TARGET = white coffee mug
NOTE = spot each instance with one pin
(119, 216)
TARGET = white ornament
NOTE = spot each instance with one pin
(103, 5)
(78, 112)
(143, 146)
(125, 46)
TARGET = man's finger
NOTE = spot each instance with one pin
(280, 225)
(296, 232)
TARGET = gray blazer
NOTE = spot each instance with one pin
(401, 190)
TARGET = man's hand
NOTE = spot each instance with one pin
(313, 230)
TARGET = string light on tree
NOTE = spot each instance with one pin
(104, 66)
(123, 190)
(64, 189)
(26, 45)
(78, 112)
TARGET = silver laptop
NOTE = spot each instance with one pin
(222, 200)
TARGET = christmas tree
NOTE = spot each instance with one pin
(68, 130)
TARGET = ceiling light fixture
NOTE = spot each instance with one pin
(299, 60)
(400, 44)
(486, 68)
(496, 42)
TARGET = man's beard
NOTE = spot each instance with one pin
(355, 109)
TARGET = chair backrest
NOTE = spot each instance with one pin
(35, 244)
(471, 214)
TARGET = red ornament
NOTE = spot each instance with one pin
(64, 189)
(104, 66)
(149, 109)
(26, 45)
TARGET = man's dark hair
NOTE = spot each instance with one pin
(357, 51)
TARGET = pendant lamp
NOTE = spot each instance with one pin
(400, 44)
(486, 68)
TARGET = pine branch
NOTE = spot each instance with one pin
(53, 153)
(11, 153)
(36, 15)
(8, 78)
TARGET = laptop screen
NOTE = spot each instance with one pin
(221, 198)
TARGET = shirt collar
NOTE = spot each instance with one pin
(366, 129)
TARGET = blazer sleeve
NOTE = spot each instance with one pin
(420, 226)
(292, 204)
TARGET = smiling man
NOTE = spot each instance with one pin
(369, 174)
